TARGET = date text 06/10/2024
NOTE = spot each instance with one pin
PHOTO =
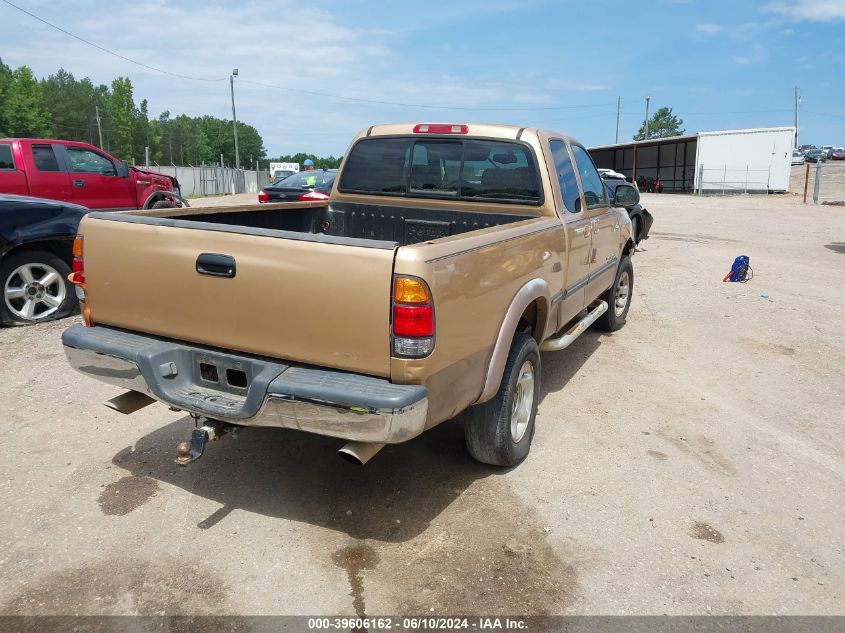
(417, 624)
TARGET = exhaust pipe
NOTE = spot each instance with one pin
(359, 453)
(129, 402)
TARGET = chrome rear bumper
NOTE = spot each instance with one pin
(276, 394)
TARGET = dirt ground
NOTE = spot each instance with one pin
(691, 463)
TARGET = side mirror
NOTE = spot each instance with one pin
(626, 196)
(122, 169)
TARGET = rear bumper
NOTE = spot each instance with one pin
(265, 392)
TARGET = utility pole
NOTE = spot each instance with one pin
(234, 116)
(618, 106)
(647, 99)
(99, 127)
(797, 101)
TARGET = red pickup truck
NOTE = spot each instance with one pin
(77, 172)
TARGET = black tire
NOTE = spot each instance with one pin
(635, 229)
(39, 262)
(164, 204)
(487, 426)
(614, 319)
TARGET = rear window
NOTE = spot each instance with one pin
(466, 169)
(6, 160)
(304, 179)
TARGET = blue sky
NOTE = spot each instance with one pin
(560, 65)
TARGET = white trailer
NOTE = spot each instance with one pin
(739, 161)
(730, 161)
(275, 167)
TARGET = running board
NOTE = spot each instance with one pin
(565, 340)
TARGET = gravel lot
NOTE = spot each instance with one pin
(691, 463)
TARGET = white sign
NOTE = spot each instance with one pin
(274, 167)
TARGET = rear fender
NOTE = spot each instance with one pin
(534, 290)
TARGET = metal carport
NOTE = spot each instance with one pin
(670, 160)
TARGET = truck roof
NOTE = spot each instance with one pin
(488, 130)
(45, 140)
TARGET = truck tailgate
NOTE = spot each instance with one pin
(311, 302)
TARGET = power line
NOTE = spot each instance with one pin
(377, 101)
(110, 52)
(287, 89)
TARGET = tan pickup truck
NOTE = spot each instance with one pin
(446, 259)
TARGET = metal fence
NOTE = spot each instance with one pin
(727, 180)
(213, 180)
(820, 183)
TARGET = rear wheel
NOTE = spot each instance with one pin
(35, 288)
(635, 229)
(618, 298)
(499, 431)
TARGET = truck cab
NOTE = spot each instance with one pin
(72, 171)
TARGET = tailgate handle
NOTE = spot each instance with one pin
(216, 265)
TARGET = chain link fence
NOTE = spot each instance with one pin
(727, 180)
(213, 180)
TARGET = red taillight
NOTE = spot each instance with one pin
(413, 320)
(440, 128)
(78, 268)
(312, 196)
(77, 275)
(263, 196)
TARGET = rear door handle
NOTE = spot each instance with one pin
(216, 265)
(79, 183)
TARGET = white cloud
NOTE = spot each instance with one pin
(757, 55)
(309, 49)
(709, 29)
(809, 10)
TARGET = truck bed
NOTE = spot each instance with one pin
(305, 282)
(398, 226)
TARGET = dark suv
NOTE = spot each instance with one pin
(36, 240)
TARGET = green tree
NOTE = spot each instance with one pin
(141, 131)
(61, 106)
(72, 106)
(121, 109)
(5, 81)
(162, 137)
(193, 144)
(24, 112)
(250, 145)
(661, 125)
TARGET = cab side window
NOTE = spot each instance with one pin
(590, 180)
(7, 162)
(87, 162)
(566, 177)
